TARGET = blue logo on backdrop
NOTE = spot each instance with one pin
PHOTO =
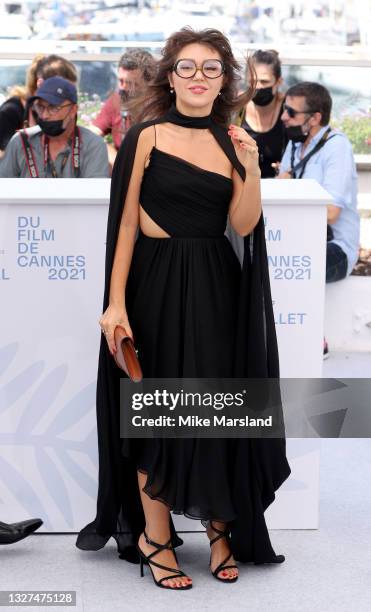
(272, 235)
(30, 237)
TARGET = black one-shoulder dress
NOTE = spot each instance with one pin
(182, 302)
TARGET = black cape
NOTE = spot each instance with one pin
(119, 509)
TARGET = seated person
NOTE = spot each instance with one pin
(60, 149)
(15, 112)
(317, 151)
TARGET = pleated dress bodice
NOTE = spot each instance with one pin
(184, 199)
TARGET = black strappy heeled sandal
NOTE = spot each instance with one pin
(147, 560)
(221, 566)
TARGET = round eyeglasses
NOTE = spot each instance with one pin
(51, 108)
(187, 68)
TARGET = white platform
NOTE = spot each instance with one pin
(348, 314)
(347, 364)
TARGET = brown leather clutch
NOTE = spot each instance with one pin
(126, 355)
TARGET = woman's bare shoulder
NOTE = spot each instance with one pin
(146, 140)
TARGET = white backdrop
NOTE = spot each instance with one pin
(51, 282)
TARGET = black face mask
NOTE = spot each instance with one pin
(51, 128)
(263, 96)
(296, 134)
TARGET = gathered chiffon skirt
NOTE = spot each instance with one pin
(182, 300)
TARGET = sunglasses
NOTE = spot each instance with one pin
(187, 68)
(292, 112)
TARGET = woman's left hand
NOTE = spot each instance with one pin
(246, 150)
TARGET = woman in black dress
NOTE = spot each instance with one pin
(175, 282)
(261, 117)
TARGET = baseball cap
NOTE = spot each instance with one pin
(55, 90)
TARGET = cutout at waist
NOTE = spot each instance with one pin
(143, 235)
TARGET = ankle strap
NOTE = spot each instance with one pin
(220, 533)
(225, 532)
(156, 544)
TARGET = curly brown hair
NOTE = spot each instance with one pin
(157, 99)
(139, 59)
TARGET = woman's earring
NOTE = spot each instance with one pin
(220, 93)
(171, 90)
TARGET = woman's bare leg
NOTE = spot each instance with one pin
(219, 551)
(157, 516)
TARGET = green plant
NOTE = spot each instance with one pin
(88, 110)
(358, 130)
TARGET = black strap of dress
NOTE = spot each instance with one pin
(301, 165)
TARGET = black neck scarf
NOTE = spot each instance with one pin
(175, 116)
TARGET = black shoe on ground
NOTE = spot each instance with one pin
(13, 532)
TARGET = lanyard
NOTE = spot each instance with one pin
(303, 162)
(28, 152)
(48, 163)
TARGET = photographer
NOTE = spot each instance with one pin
(318, 151)
(61, 149)
(322, 153)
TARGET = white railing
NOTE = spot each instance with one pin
(296, 55)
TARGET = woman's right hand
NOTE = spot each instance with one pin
(113, 316)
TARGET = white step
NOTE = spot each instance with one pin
(348, 314)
